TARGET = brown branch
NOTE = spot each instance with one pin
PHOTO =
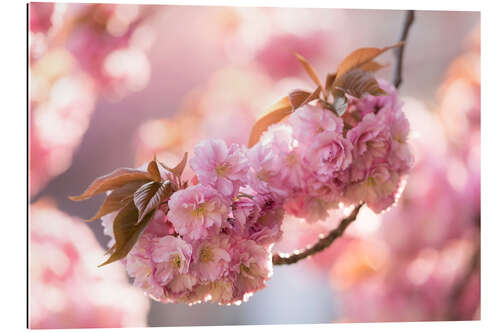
(320, 245)
(398, 52)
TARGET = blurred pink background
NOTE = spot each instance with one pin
(110, 85)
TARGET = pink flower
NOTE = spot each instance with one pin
(253, 267)
(370, 138)
(259, 218)
(216, 165)
(310, 208)
(266, 229)
(141, 269)
(221, 291)
(288, 156)
(196, 211)
(308, 121)
(180, 285)
(329, 154)
(370, 104)
(171, 256)
(159, 225)
(211, 258)
(245, 212)
(265, 167)
(400, 157)
(400, 127)
(380, 190)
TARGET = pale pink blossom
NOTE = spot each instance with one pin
(141, 269)
(264, 170)
(370, 138)
(310, 208)
(259, 218)
(370, 104)
(221, 291)
(211, 258)
(400, 157)
(180, 285)
(245, 212)
(172, 256)
(380, 190)
(253, 267)
(329, 154)
(159, 225)
(308, 121)
(196, 211)
(219, 166)
(288, 155)
(266, 229)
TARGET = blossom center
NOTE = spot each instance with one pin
(244, 268)
(198, 211)
(222, 169)
(291, 159)
(206, 255)
(398, 138)
(176, 261)
(331, 155)
(148, 271)
(264, 175)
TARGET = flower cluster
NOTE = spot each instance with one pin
(317, 160)
(213, 242)
(213, 239)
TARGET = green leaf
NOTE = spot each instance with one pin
(126, 232)
(113, 180)
(149, 197)
(118, 198)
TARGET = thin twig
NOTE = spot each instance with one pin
(398, 52)
(320, 245)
